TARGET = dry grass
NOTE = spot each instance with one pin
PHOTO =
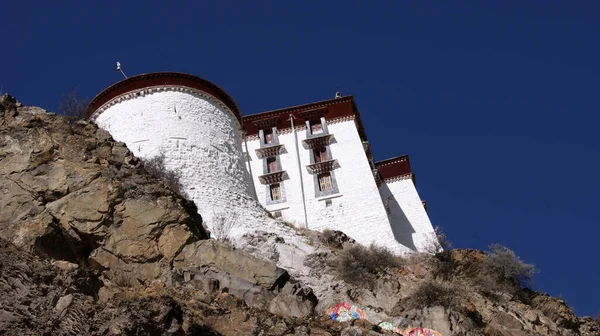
(156, 166)
(72, 105)
(359, 265)
(124, 279)
(503, 261)
(502, 272)
(437, 242)
(222, 224)
(431, 293)
(499, 271)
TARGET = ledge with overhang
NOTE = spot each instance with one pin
(323, 167)
(317, 141)
(275, 177)
(269, 151)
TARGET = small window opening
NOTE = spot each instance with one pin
(325, 182)
(271, 165)
(276, 214)
(320, 154)
(328, 203)
(269, 136)
(275, 190)
(316, 127)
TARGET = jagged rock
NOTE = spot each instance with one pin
(210, 253)
(68, 192)
(589, 326)
(294, 300)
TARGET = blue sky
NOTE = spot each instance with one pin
(495, 102)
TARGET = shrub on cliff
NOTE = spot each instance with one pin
(437, 242)
(502, 271)
(431, 293)
(222, 224)
(156, 166)
(72, 105)
(359, 265)
(502, 261)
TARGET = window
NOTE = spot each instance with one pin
(269, 136)
(276, 214)
(316, 127)
(275, 190)
(320, 154)
(325, 182)
(328, 203)
(271, 165)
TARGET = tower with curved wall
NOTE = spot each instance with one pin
(195, 125)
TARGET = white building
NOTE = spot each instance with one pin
(318, 174)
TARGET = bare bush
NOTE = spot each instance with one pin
(503, 261)
(222, 224)
(360, 265)
(443, 240)
(156, 166)
(72, 105)
(437, 242)
(501, 271)
(124, 279)
(432, 293)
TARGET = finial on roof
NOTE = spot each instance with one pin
(119, 69)
(338, 94)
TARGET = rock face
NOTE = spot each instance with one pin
(91, 244)
(41, 299)
(68, 191)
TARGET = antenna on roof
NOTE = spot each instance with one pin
(338, 94)
(119, 69)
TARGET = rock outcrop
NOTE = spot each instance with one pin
(39, 298)
(92, 244)
(69, 192)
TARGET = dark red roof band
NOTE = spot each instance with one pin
(161, 79)
(394, 167)
(330, 109)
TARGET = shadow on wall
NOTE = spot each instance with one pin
(401, 227)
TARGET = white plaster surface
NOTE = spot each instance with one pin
(408, 219)
(356, 210)
(201, 141)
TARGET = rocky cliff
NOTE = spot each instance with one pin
(92, 244)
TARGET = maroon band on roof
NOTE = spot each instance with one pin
(331, 109)
(158, 79)
(394, 167)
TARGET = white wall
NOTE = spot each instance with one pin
(357, 209)
(409, 220)
(200, 138)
